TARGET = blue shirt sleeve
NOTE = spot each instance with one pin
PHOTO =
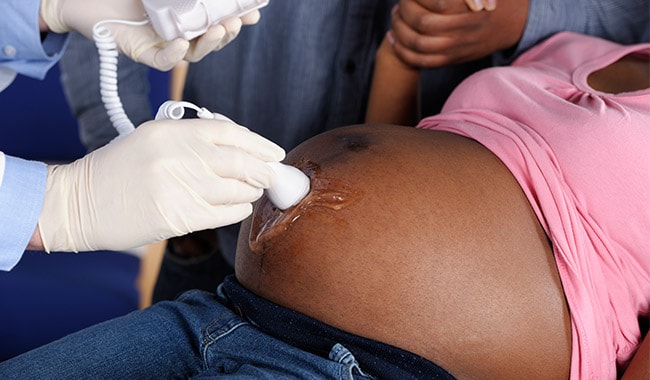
(21, 48)
(622, 21)
(21, 199)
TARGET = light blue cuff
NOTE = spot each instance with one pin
(21, 200)
(21, 48)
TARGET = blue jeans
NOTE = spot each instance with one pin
(194, 337)
(233, 333)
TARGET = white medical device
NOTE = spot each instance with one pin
(170, 19)
(191, 18)
(291, 185)
(187, 19)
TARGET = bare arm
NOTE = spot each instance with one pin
(393, 93)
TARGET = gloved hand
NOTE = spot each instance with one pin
(141, 43)
(165, 179)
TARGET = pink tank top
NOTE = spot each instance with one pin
(583, 159)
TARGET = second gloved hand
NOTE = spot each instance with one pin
(165, 179)
(141, 43)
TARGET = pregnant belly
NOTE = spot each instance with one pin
(461, 274)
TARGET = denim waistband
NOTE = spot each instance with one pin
(378, 359)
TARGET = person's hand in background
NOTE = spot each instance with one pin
(435, 33)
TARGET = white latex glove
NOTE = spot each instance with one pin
(167, 178)
(141, 43)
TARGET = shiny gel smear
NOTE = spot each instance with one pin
(270, 222)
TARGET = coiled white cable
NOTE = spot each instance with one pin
(108, 86)
(175, 110)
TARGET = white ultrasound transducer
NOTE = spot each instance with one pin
(291, 185)
(187, 19)
(170, 19)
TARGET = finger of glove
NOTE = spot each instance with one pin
(229, 134)
(226, 215)
(215, 38)
(203, 218)
(164, 58)
(231, 162)
(216, 190)
(210, 41)
(233, 27)
(251, 18)
(208, 133)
